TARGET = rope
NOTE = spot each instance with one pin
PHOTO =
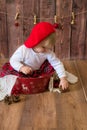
(67, 16)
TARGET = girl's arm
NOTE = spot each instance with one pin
(16, 59)
(59, 68)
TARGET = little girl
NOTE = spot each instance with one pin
(36, 49)
(30, 56)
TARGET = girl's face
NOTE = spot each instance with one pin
(46, 44)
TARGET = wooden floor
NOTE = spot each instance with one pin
(50, 111)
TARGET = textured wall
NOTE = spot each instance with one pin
(71, 43)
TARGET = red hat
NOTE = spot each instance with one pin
(38, 33)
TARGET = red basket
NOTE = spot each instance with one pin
(31, 85)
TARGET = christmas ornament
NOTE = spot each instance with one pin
(56, 24)
(16, 23)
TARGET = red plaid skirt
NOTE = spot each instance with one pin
(32, 83)
(45, 68)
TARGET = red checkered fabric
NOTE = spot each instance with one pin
(29, 84)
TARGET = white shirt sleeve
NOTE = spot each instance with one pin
(17, 58)
(57, 64)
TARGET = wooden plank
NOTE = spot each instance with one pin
(78, 30)
(81, 66)
(30, 8)
(62, 46)
(15, 34)
(74, 69)
(10, 116)
(47, 10)
(3, 30)
(39, 112)
(71, 108)
(86, 34)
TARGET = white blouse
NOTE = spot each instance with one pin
(28, 56)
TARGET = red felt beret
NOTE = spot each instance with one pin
(39, 32)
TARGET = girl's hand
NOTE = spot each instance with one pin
(63, 83)
(26, 70)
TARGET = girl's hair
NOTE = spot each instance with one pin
(52, 38)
